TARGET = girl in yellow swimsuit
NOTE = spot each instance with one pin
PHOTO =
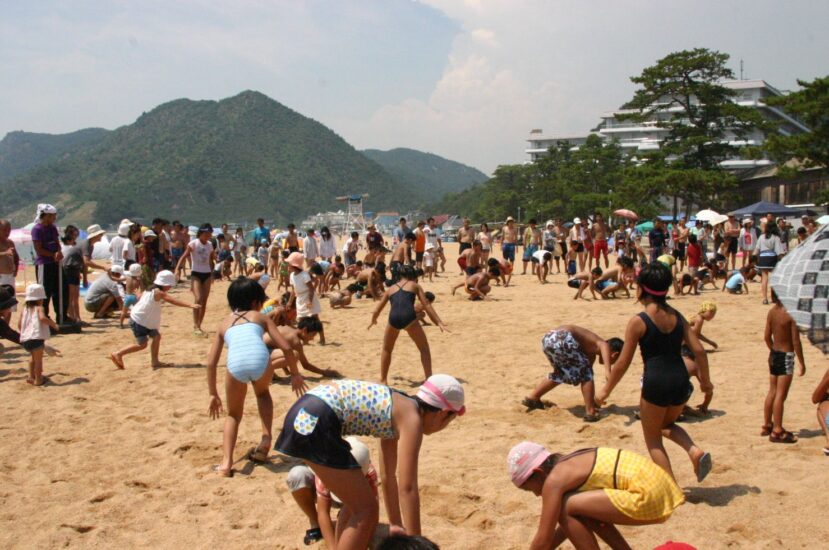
(587, 492)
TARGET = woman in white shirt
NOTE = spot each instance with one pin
(769, 250)
(328, 245)
(203, 256)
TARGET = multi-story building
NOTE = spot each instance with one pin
(642, 137)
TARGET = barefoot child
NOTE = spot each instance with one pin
(304, 332)
(707, 311)
(402, 316)
(588, 492)
(145, 319)
(659, 331)
(316, 424)
(613, 279)
(247, 361)
(820, 397)
(34, 326)
(572, 351)
(584, 280)
(133, 288)
(783, 340)
(305, 291)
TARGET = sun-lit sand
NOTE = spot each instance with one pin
(106, 458)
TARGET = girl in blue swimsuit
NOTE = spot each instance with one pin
(660, 331)
(248, 360)
(403, 317)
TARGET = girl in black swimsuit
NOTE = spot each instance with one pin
(403, 317)
(660, 332)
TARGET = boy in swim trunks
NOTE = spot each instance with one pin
(477, 284)
(613, 279)
(572, 351)
(505, 269)
(783, 341)
(584, 280)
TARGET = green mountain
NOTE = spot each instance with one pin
(431, 175)
(234, 159)
(23, 151)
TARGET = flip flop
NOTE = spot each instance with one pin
(259, 455)
(592, 417)
(704, 468)
(118, 362)
(312, 535)
(533, 404)
(784, 437)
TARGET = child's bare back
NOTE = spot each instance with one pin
(781, 326)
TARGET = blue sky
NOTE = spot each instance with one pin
(465, 79)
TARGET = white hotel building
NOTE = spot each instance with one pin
(636, 137)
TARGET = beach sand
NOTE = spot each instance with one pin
(107, 458)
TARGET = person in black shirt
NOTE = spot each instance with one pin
(657, 238)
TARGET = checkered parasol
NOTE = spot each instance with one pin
(801, 281)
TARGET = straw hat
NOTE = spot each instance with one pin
(94, 230)
(510, 219)
(149, 233)
(35, 292)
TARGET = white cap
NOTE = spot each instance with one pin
(360, 453)
(576, 221)
(150, 233)
(125, 221)
(35, 292)
(443, 392)
(124, 229)
(116, 270)
(135, 270)
(165, 278)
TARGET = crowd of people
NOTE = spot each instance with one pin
(585, 493)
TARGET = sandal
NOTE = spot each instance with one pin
(766, 430)
(533, 404)
(782, 437)
(704, 468)
(218, 471)
(312, 535)
(592, 417)
(260, 453)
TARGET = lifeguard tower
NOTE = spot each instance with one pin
(354, 220)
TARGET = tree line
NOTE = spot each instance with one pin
(683, 93)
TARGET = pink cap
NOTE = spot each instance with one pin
(444, 392)
(523, 459)
(296, 260)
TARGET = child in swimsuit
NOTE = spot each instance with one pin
(314, 430)
(660, 331)
(248, 360)
(403, 317)
(572, 351)
(706, 312)
(783, 341)
(603, 487)
(820, 397)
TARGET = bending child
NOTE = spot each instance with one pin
(572, 351)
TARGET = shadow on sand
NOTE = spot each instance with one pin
(719, 496)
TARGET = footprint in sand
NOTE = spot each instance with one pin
(79, 528)
(100, 498)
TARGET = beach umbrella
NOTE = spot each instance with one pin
(647, 226)
(801, 282)
(823, 220)
(706, 215)
(625, 213)
(21, 236)
(718, 219)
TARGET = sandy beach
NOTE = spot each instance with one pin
(103, 458)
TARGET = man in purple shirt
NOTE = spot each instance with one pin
(46, 241)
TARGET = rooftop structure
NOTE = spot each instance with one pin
(642, 137)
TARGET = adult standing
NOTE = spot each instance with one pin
(785, 232)
(46, 241)
(328, 245)
(420, 243)
(509, 238)
(433, 237)
(748, 240)
(656, 239)
(681, 242)
(400, 232)
(532, 242)
(465, 236)
(261, 233)
(376, 244)
(486, 242)
(769, 250)
(732, 238)
(119, 244)
(577, 236)
(94, 234)
(599, 232)
(310, 248)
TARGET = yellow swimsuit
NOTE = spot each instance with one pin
(635, 485)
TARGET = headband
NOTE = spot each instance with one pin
(654, 292)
